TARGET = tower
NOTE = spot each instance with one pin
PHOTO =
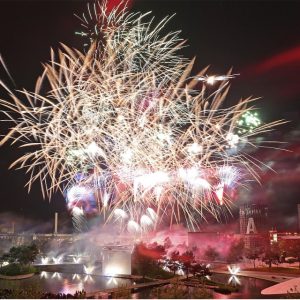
(253, 224)
(253, 219)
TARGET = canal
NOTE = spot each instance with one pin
(55, 282)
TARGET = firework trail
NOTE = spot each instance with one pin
(127, 122)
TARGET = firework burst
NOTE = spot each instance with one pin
(126, 122)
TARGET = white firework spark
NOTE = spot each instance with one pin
(125, 123)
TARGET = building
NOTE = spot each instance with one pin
(276, 236)
(116, 260)
(254, 224)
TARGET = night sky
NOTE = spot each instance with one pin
(259, 39)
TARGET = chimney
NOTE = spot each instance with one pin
(55, 222)
(13, 227)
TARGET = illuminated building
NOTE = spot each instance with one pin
(253, 224)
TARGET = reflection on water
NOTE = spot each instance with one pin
(70, 283)
(249, 288)
(65, 283)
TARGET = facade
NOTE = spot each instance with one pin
(254, 225)
(283, 236)
(116, 260)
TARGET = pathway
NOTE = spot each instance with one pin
(273, 277)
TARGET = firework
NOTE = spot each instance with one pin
(123, 126)
(212, 79)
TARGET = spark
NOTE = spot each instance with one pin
(211, 80)
(122, 127)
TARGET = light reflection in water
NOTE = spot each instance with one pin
(56, 275)
(234, 280)
(112, 281)
(88, 278)
(44, 275)
(76, 277)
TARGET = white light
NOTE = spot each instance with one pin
(195, 148)
(219, 193)
(152, 214)
(93, 150)
(158, 190)
(56, 275)
(234, 270)
(146, 221)
(105, 199)
(201, 183)
(228, 175)
(127, 156)
(120, 213)
(77, 211)
(88, 278)
(45, 260)
(57, 260)
(112, 281)
(150, 180)
(76, 276)
(211, 79)
(76, 260)
(112, 270)
(232, 139)
(234, 280)
(133, 227)
(88, 270)
(44, 275)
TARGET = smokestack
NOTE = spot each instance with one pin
(298, 217)
(55, 222)
(13, 228)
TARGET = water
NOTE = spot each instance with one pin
(249, 288)
(70, 283)
(65, 283)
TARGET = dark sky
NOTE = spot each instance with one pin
(259, 39)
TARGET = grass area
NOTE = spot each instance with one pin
(275, 270)
(16, 269)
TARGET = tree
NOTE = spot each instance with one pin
(271, 254)
(23, 255)
(141, 259)
(211, 254)
(158, 253)
(167, 243)
(173, 262)
(201, 270)
(186, 259)
(254, 254)
(236, 251)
